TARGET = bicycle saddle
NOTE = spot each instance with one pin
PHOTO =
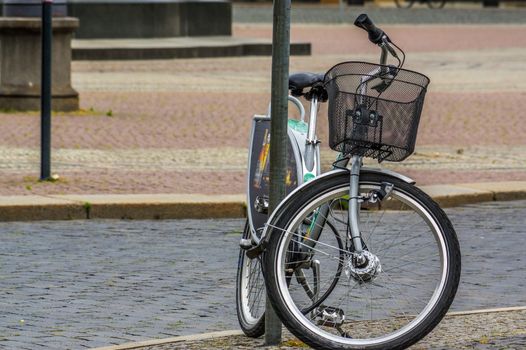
(299, 81)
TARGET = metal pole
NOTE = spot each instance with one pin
(45, 97)
(278, 132)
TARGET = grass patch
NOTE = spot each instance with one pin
(484, 340)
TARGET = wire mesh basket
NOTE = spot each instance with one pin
(374, 110)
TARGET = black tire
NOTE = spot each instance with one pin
(404, 4)
(249, 275)
(386, 327)
(436, 4)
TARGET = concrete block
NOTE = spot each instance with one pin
(20, 68)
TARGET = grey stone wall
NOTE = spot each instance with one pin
(151, 18)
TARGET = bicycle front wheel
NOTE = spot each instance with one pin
(250, 293)
(391, 300)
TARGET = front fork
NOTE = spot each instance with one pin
(318, 221)
(354, 204)
(321, 214)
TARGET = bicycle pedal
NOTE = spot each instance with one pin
(329, 316)
(245, 243)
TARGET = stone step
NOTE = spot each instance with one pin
(177, 47)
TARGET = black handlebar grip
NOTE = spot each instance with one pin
(375, 34)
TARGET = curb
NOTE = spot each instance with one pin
(212, 335)
(469, 193)
(198, 206)
(138, 207)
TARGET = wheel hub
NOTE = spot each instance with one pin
(363, 267)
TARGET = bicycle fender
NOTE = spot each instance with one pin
(389, 173)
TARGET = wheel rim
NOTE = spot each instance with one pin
(401, 277)
(252, 291)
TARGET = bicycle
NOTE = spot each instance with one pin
(434, 4)
(358, 257)
(303, 165)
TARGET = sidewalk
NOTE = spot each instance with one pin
(481, 329)
(182, 126)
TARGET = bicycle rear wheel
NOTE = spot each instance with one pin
(436, 4)
(250, 293)
(405, 4)
(390, 302)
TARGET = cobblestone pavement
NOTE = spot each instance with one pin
(70, 285)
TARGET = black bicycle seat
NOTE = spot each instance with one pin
(299, 81)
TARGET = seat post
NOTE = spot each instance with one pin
(311, 134)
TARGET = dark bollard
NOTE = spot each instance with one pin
(45, 98)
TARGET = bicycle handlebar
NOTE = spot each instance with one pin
(375, 34)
